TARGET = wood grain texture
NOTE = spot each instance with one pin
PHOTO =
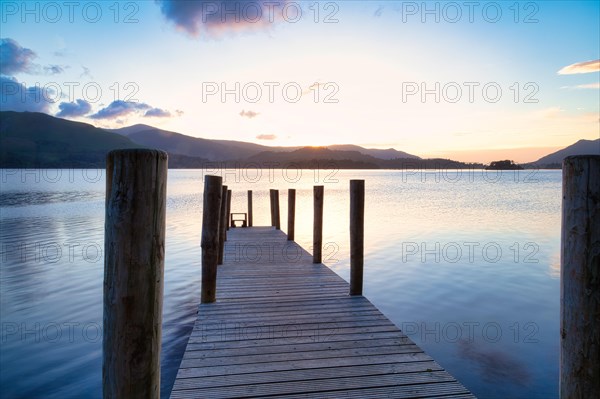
(211, 223)
(580, 278)
(134, 247)
(283, 326)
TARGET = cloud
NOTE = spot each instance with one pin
(54, 69)
(158, 113)
(589, 86)
(249, 114)
(266, 137)
(78, 108)
(86, 73)
(14, 58)
(583, 86)
(581, 67)
(217, 17)
(119, 108)
(15, 96)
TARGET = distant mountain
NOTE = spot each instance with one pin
(172, 142)
(29, 139)
(218, 150)
(390, 153)
(582, 147)
(33, 139)
(309, 157)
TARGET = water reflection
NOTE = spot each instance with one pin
(51, 269)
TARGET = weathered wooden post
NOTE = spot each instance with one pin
(249, 208)
(291, 214)
(276, 209)
(580, 279)
(211, 215)
(357, 231)
(318, 223)
(223, 224)
(228, 208)
(134, 248)
(272, 204)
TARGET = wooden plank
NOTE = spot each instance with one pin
(290, 329)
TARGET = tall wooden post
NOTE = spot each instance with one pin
(357, 231)
(228, 208)
(276, 209)
(580, 279)
(272, 204)
(134, 248)
(291, 214)
(318, 223)
(249, 208)
(223, 224)
(211, 215)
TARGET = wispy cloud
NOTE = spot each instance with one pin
(86, 73)
(217, 17)
(120, 108)
(54, 69)
(77, 108)
(249, 114)
(266, 137)
(581, 67)
(157, 113)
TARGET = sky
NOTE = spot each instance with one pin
(472, 81)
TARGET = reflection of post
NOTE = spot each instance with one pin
(580, 278)
(134, 247)
(357, 230)
(291, 213)
(318, 223)
(211, 248)
(228, 208)
(276, 209)
(223, 224)
(249, 208)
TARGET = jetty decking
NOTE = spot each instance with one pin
(283, 326)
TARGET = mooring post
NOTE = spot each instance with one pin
(228, 208)
(272, 204)
(211, 215)
(223, 224)
(249, 208)
(291, 214)
(357, 238)
(318, 223)
(134, 252)
(580, 278)
(276, 209)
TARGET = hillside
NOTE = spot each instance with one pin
(32, 139)
(582, 147)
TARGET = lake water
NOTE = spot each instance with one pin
(466, 263)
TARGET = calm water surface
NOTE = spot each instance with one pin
(466, 263)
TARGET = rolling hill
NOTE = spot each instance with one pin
(582, 147)
(33, 139)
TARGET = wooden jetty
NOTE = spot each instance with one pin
(283, 326)
(275, 322)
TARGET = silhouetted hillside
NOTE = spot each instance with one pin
(32, 139)
(582, 147)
